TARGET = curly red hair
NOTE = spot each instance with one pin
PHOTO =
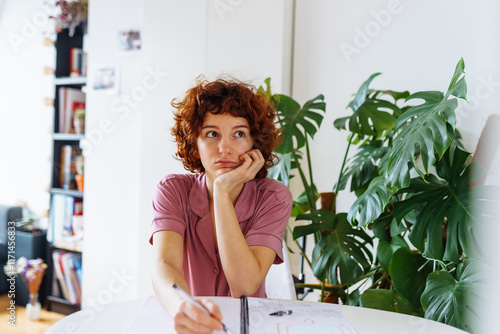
(218, 97)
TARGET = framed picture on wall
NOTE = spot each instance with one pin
(105, 80)
(129, 41)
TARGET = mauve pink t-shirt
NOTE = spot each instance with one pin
(181, 205)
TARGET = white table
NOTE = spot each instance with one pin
(116, 318)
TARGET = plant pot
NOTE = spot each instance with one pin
(79, 125)
(79, 182)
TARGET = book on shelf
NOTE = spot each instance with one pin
(69, 156)
(66, 228)
(59, 275)
(78, 62)
(70, 99)
(67, 275)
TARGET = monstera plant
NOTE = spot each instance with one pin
(410, 174)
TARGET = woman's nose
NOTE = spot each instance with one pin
(224, 147)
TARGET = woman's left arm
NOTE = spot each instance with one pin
(245, 266)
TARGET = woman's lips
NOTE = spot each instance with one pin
(225, 163)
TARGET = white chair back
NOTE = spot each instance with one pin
(279, 280)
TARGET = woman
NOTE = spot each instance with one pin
(217, 232)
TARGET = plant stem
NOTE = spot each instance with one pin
(310, 199)
(303, 251)
(323, 288)
(379, 280)
(309, 165)
(341, 173)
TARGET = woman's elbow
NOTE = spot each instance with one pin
(245, 290)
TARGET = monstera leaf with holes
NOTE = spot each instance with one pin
(342, 254)
(449, 299)
(423, 130)
(442, 204)
(297, 122)
(372, 203)
(371, 116)
(362, 167)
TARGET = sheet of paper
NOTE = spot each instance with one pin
(230, 309)
(152, 317)
(307, 318)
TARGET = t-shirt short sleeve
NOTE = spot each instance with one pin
(168, 205)
(271, 219)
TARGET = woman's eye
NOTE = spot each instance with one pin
(211, 134)
(239, 134)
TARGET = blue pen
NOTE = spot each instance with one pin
(190, 300)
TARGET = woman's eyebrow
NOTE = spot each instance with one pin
(210, 126)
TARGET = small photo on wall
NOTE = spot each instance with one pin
(105, 80)
(129, 40)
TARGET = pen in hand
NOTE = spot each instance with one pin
(193, 302)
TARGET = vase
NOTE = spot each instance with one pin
(79, 125)
(33, 307)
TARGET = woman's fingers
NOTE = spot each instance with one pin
(190, 319)
(212, 308)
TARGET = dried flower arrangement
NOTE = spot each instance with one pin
(71, 14)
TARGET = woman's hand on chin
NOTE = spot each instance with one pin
(252, 162)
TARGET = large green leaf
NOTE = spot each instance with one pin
(341, 254)
(386, 250)
(425, 133)
(395, 95)
(387, 300)
(458, 86)
(372, 118)
(423, 130)
(409, 271)
(362, 93)
(297, 122)
(442, 204)
(372, 203)
(450, 300)
(361, 167)
(386, 227)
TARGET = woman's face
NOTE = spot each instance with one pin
(223, 139)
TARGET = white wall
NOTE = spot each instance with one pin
(181, 40)
(25, 122)
(417, 49)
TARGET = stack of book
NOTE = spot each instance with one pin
(66, 228)
(69, 156)
(70, 99)
(68, 276)
(78, 62)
